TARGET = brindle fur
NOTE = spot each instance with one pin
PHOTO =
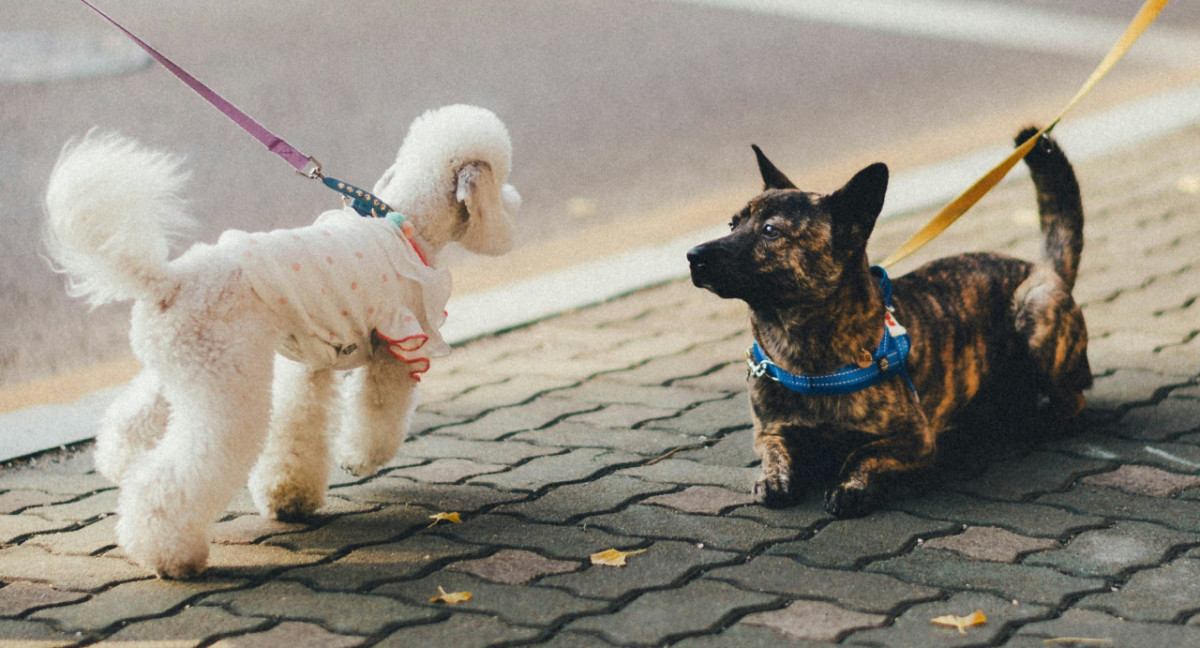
(990, 334)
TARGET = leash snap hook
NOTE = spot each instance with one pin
(312, 170)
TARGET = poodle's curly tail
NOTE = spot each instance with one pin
(112, 210)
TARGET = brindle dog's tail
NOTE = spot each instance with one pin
(1059, 205)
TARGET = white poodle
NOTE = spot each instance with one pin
(344, 293)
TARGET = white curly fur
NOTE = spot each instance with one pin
(202, 417)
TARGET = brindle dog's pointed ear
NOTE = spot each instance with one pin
(855, 207)
(772, 178)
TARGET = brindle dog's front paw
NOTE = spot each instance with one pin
(851, 498)
(775, 492)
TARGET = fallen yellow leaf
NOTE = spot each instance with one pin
(448, 517)
(450, 598)
(961, 623)
(613, 558)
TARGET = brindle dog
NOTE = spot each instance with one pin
(990, 334)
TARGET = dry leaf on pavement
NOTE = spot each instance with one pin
(448, 517)
(961, 623)
(613, 558)
(450, 598)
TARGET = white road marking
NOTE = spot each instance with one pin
(985, 23)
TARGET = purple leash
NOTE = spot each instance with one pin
(362, 201)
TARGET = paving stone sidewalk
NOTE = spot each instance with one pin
(626, 426)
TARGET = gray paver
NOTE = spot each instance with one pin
(849, 543)
(1110, 552)
(854, 589)
(1161, 593)
(914, 628)
(1105, 628)
(338, 611)
(663, 564)
(656, 616)
(725, 533)
(944, 569)
(526, 605)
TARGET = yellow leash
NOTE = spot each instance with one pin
(968, 198)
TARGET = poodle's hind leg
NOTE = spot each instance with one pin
(379, 400)
(133, 424)
(289, 480)
(218, 384)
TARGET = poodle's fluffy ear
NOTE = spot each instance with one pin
(489, 209)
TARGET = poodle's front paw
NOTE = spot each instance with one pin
(359, 464)
(167, 555)
(287, 497)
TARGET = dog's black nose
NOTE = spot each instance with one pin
(695, 256)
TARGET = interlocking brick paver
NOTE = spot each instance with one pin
(460, 631)
(664, 563)
(34, 634)
(514, 567)
(126, 601)
(383, 525)
(22, 596)
(1024, 518)
(27, 562)
(191, 626)
(564, 542)
(681, 471)
(247, 529)
(14, 500)
(526, 605)
(914, 628)
(291, 634)
(656, 616)
(991, 543)
(1179, 514)
(814, 620)
(1144, 480)
(726, 533)
(1162, 421)
(446, 471)
(849, 543)
(855, 589)
(1024, 477)
(645, 442)
(1115, 550)
(540, 472)
(434, 497)
(16, 526)
(626, 425)
(1163, 593)
(949, 570)
(88, 540)
(341, 612)
(710, 500)
(604, 493)
(1105, 630)
(371, 566)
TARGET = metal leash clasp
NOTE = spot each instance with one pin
(312, 170)
(755, 369)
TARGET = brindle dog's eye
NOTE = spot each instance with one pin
(770, 232)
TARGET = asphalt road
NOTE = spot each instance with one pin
(618, 109)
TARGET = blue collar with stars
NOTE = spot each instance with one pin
(887, 361)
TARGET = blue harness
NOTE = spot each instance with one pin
(886, 362)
